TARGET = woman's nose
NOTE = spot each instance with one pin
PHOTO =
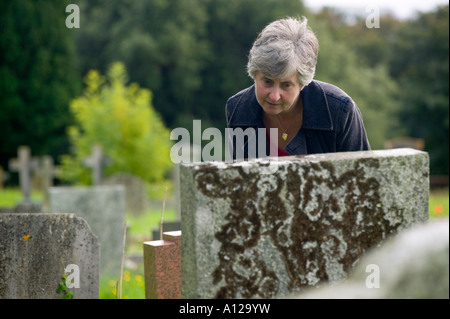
(274, 94)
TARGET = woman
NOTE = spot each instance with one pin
(310, 116)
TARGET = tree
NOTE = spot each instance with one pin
(38, 77)
(339, 64)
(122, 119)
(420, 63)
(162, 43)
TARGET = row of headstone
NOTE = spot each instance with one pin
(26, 166)
(43, 168)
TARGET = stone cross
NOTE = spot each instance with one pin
(47, 172)
(97, 161)
(24, 164)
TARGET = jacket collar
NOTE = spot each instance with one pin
(316, 113)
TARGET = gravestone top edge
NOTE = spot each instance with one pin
(50, 215)
(338, 156)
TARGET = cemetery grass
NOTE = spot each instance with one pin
(9, 197)
(139, 230)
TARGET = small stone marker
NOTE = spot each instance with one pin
(47, 172)
(97, 161)
(253, 235)
(36, 250)
(405, 142)
(162, 267)
(24, 164)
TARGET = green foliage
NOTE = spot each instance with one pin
(38, 77)
(400, 78)
(122, 120)
(420, 62)
(67, 294)
(342, 67)
(161, 42)
(192, 55)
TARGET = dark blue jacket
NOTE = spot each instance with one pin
(331, 121)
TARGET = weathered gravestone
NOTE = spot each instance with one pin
(45, 175)
(24, 164)
(136, 196)
(36, 250)
(103, 207)
(411, 264)
(253, 235)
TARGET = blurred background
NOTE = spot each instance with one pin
(129, 71)
(136, 69)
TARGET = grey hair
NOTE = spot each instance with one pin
(283, 47)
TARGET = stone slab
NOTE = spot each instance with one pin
(162, 267)
(414, 264)
(103, 207)
(35, 250)
(248, 234)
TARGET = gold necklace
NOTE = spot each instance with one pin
(285, 135)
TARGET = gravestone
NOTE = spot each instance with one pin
(97, 161)
(168, 226)
(24, 165)
(162, 267)
(414, 264)
(46, 172)
(135, 191)
(405, 142)
(36, 250)
(253, 235)
(103, 207)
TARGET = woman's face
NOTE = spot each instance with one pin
(277, 95)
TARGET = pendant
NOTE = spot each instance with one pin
(284, 136)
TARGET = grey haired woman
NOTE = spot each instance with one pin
(310, 116)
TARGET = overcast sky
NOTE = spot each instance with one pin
(402, 9)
